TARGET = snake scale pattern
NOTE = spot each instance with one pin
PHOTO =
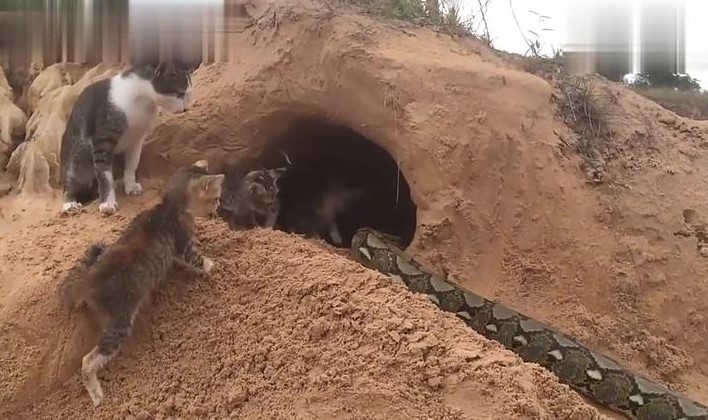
(589, 373)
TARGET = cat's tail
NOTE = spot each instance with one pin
(73, 288)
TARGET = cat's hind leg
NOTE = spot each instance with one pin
(78, 185)
(107, 348)
(77, 174)
(70, 205)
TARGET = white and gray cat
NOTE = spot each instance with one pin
(112, 117)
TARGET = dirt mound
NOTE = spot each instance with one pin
(12, 120)
(36, 161)
(285, 328)
(502, 203)
(692, 105)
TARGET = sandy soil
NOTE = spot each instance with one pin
(290, 329)
(285, 328)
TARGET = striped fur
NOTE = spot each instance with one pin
(119, 280)
(72, 285)
(252, 200)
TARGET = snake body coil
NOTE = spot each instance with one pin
(589, 373)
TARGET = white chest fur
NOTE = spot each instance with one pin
(137, 99)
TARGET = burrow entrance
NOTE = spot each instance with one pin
(337, 173)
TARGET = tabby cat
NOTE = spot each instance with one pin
(112, 117)
(120, 278)
(252, 201)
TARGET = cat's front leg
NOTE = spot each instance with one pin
(103, 162)
(132, 159)
(185, 266)
(334, 234)
(272, 217)
(107, 193)
(194, 258)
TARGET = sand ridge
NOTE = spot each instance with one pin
(503, 205)
(284, 328)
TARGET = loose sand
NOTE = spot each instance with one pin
(288, 328)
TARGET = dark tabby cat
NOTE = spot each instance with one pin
(252, 200)
(111, 117)
(119, 279)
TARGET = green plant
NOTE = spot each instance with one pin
(682, 82)
(447, 15)
(408, 9)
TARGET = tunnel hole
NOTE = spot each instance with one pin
(337, 171)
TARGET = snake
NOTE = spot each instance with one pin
(594, 375)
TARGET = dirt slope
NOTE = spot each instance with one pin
(501, 205)
(285, 328)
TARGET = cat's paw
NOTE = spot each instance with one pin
(108, 207)
(133, 189)
(96, 394)
(93, 387)
(71, 208)
(207, 264)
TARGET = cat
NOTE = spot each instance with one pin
(115, 281)
(111, 117)
(74, 278)
(252, 200)
(315, 217)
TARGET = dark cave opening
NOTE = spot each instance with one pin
(338, 173)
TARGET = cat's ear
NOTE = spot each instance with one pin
(213, 182)
(146, 68)
(203, 164)
(252, 188)
(160, 69)
(187, 66)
